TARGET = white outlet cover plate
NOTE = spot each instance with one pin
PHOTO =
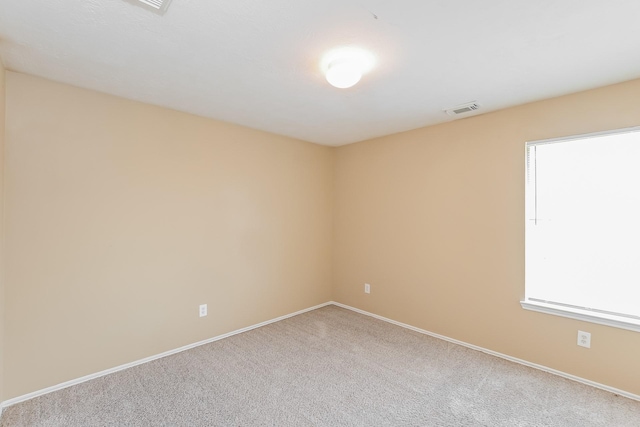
(584, 339)
(367, 288)
(203, 310)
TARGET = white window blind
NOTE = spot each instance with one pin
(583, 224)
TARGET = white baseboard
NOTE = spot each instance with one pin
(495, 353)
(70, 383)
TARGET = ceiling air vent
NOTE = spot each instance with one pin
(463, 109)
(158, 6)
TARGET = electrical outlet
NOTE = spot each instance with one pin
(367, 288)
(203, 310)
(584, 339)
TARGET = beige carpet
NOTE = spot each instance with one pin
(328, 367)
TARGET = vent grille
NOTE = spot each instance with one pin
(153, 3)
(156, 5)
(463, 109)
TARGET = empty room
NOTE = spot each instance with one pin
(336, 213)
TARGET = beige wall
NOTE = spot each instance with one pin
(123, 217)
(433, 219)
(2, 125)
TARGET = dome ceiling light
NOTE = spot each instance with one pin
(344, 67)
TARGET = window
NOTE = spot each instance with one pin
(583, 228)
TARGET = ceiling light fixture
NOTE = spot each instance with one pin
(344, 67)
(343, 73)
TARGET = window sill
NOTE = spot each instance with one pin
(582, 314)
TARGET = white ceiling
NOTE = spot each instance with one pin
(256, 62)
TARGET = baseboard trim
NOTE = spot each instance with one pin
(495, 353)
(89, 377)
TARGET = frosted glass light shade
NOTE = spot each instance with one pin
(343, 73)
(344, 66)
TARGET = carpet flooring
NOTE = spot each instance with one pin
(327, 367)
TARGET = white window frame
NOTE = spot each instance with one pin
(631, 323)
